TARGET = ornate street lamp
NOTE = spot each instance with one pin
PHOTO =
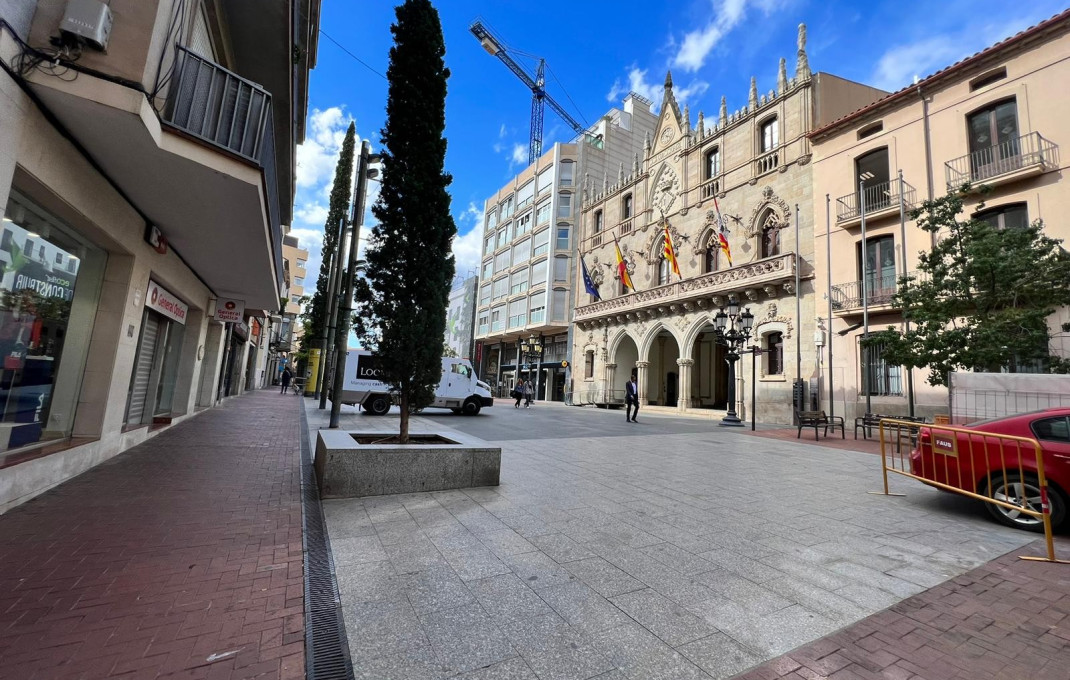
(531, 347)
(732, 331)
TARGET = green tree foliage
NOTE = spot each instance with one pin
(405, 290)
(315, 314)
(983, 297)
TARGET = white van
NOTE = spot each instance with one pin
(458, 390)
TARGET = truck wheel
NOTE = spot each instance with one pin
(377, 405)
(471, 406)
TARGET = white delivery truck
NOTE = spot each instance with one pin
(458, 390)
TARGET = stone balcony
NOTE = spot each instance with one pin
(768, 278)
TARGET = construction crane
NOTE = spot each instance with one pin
(536, 83)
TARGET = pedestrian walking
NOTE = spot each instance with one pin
(286, 378)
(631, 398)
(517, 393)
(529, 394)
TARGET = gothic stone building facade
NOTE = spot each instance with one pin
(754, 165)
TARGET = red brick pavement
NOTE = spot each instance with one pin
(831, 441)
(1006, 620)
(180, 558)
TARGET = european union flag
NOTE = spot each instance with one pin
(588, 283)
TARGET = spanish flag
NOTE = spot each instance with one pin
(722, 237)
(724, 248)
(622, 269)
(670, 253)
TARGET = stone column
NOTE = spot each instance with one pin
(683, 401)
(641, 380)
(611, 370)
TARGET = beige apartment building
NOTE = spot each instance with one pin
(754, 165)
(146, 178)
(527, 277)
(996, 119)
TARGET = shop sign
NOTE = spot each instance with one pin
(229, 311)
(242, 330)
(165, 303)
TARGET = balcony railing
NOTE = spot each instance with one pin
(767, 163)
(747, 282)
(878, 198)
(880, 290)
(711, 188)
(1028, 151)
(625, 227)
(218, 106)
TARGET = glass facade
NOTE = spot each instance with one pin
(48, 296)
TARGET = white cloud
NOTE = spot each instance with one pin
(318, 154)
(467, 247)
(898, 66)
(519, 155)
(727, 14)
(652, 90)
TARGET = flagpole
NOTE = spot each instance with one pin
(828, 273)
(798, 312)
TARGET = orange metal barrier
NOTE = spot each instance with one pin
(955, 448)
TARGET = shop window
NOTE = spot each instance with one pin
(46, 318)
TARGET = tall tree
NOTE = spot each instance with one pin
(405, 290)
(983, 298)
(315, 314)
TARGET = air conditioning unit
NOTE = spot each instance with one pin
(87, 21)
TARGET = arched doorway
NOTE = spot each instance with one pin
(624, 358)
(663, 374)
(709, 373)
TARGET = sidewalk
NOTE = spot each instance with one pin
(181, 557)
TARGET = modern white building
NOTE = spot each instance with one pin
(529, 245)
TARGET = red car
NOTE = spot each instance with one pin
(973, 462)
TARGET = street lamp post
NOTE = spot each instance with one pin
(732, 331)
(532, 350)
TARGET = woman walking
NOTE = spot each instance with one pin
(286, 377)
(518, 393)
(529, 394)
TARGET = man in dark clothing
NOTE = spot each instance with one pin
(631, 399)
(286, 377)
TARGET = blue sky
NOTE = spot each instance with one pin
(596, 53)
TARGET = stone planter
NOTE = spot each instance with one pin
(348, 469)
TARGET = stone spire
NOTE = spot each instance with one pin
(687, 119)
(669, 100)
(802, 64)
(752, 98)
(635, 165)
(646, 145)
(605, 182)
(722, 118)
(620, 175)
(701, 125)
(668, 80)
(586, 186)
(782, 76)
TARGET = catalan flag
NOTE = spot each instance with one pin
(622, 269)
(722, 237)
(588, 282)
(670, 253)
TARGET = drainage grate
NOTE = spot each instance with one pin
(326, 648)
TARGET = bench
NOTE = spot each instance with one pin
(298, 385)
(872, 421)
(818, 419)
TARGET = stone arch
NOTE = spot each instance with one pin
(652, 333)
(618, 337)
(702, 321)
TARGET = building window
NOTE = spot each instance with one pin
(488, 269)
(299, 281)
(496, 321)
(986, 79)
(484, 295)
(560, 269)
(566, 174)
(588, 364)
(525, 195)
(994, 144)
(872, 170)
(518, 313)
(538, 308)
(881, 379)
(484, 324)
(878, 270)
(770, 134)
(27, 248)
(522, 251)
(507, 208)
(562, 238)
(59, 258)
(774, 353)
(542, 212)
(501, 261)
(626, 207)
(501, 288)
(713, 163)
(301, 263)
(503, 237)
(544, 180)
(771, 237)
(1012, 216)
(871, 129)
(488, 245)
(664, 268)
(541, 243)
(538, 272)
(560, 302)
(492, 218)
(518, 282)
(596, 228)
(564, 205)
(710, 257)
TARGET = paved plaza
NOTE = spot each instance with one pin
(670, 548)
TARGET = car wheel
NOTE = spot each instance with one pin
(378, 405)
(1013, 491)
(471, 406)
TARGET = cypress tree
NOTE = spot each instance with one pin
(405, 290)
(316, 313)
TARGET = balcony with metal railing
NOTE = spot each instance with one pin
(880, 292)
(879, 200)
(1010, 160)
